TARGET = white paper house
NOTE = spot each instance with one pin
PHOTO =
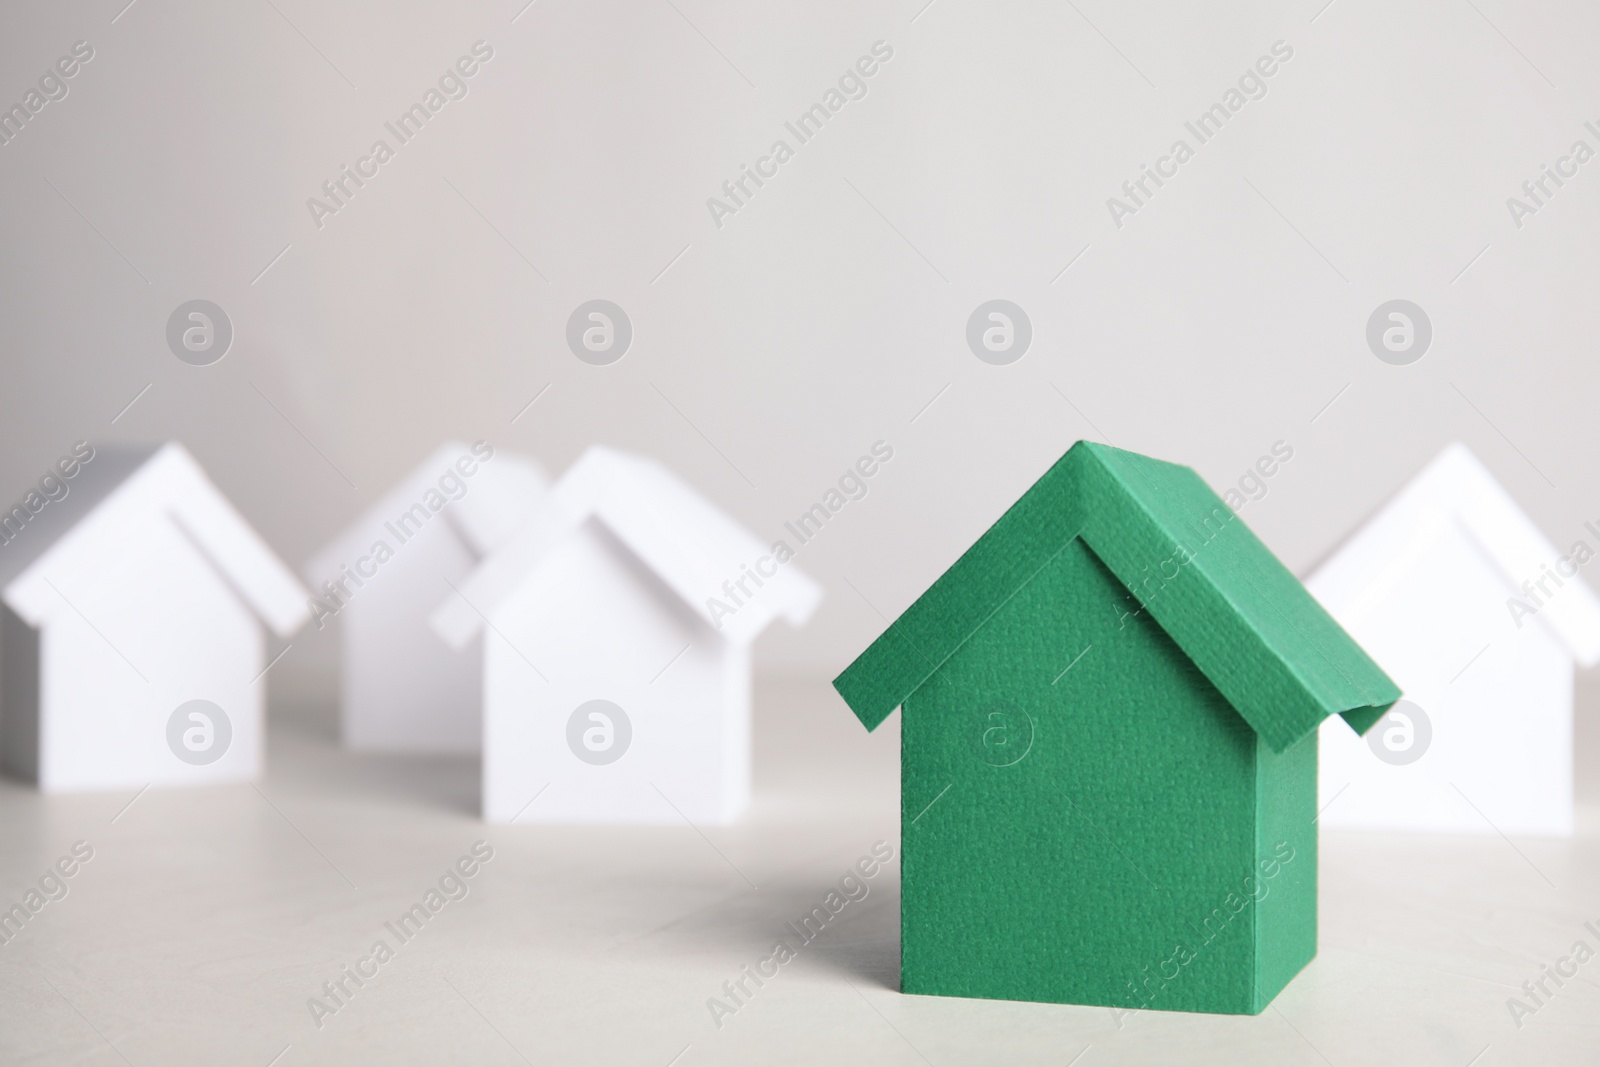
(617, 660)
(138, 591)
(401, 688)
(1479, 619)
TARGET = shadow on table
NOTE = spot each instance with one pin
(861, 943)
(303, 752)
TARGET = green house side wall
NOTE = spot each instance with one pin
(1088, 834)
(1286, 865)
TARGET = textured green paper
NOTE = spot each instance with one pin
(1109, 757)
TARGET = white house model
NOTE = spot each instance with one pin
(617, 664)
(131, 647)
(1479, 619)
(401, 688)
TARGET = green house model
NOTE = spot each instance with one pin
(1109, 749)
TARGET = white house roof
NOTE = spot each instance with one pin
(500, 495)
(1455, 489)
(690, 544)
(121, 486)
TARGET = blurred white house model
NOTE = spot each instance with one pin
(617, 674)
(131, 648)
(401, 688)
(1467, 606)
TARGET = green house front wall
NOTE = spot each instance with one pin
(1086, 820)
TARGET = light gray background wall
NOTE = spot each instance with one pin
(830, 311)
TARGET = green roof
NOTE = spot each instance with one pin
(1217, 591)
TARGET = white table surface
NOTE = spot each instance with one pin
(208, 917)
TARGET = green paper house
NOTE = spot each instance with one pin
(1109, 749)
